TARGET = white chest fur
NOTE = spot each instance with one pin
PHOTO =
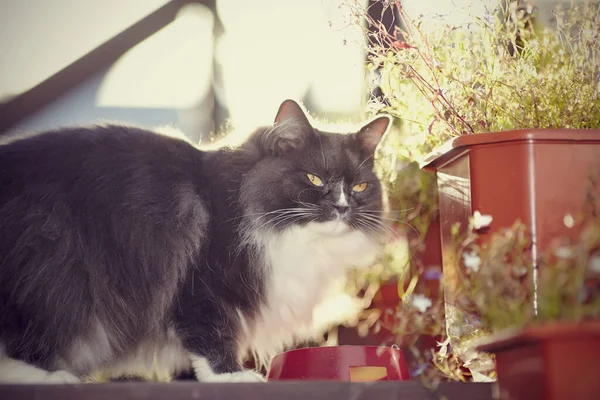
(302, 263)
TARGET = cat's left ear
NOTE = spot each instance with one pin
(371, 134)
(290, 130)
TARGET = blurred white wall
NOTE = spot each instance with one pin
(40, 37)
(270, 50)
(273, 50)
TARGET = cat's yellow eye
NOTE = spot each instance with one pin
(315, 180)
(360, 187)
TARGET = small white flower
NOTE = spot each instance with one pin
(472, 261)
(479, 377)
(443, 347)
(421, 302)
(481, 221)
(569, 221)
(594, 264)
(520, 271)
(563, 252)
(529, 9)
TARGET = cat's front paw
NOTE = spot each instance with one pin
(241, 376)
(60, 377)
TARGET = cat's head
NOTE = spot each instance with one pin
(305, 175)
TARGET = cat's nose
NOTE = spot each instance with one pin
(341, 209)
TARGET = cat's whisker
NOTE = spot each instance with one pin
(366, 227)
(289, 214)
(262, 214)
(287, 220)
(367, 216)
(376, 220)
(379, 230)
(368, 222)
(280, 214)
(285, 211)
(248, 231)
(277, 222)
(391, 211)
(376, 223)
(411, 227)
(376, 217)
(384, 218)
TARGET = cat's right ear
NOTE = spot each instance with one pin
(371, 134)
(290, 130)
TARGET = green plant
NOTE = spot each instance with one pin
(499, 71)
(500, 283)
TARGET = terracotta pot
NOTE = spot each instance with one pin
(340, 363)
(551, 362)
(537, 176)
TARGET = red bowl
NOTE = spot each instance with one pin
(340, 363)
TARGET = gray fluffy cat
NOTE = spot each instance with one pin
(126, 252)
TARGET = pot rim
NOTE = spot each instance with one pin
(537, 333)
(338, 348)
(454, 146)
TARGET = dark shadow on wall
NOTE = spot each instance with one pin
(78, 106)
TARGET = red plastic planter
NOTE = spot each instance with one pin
(340, 363)
(550, 362)
(537, 176)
